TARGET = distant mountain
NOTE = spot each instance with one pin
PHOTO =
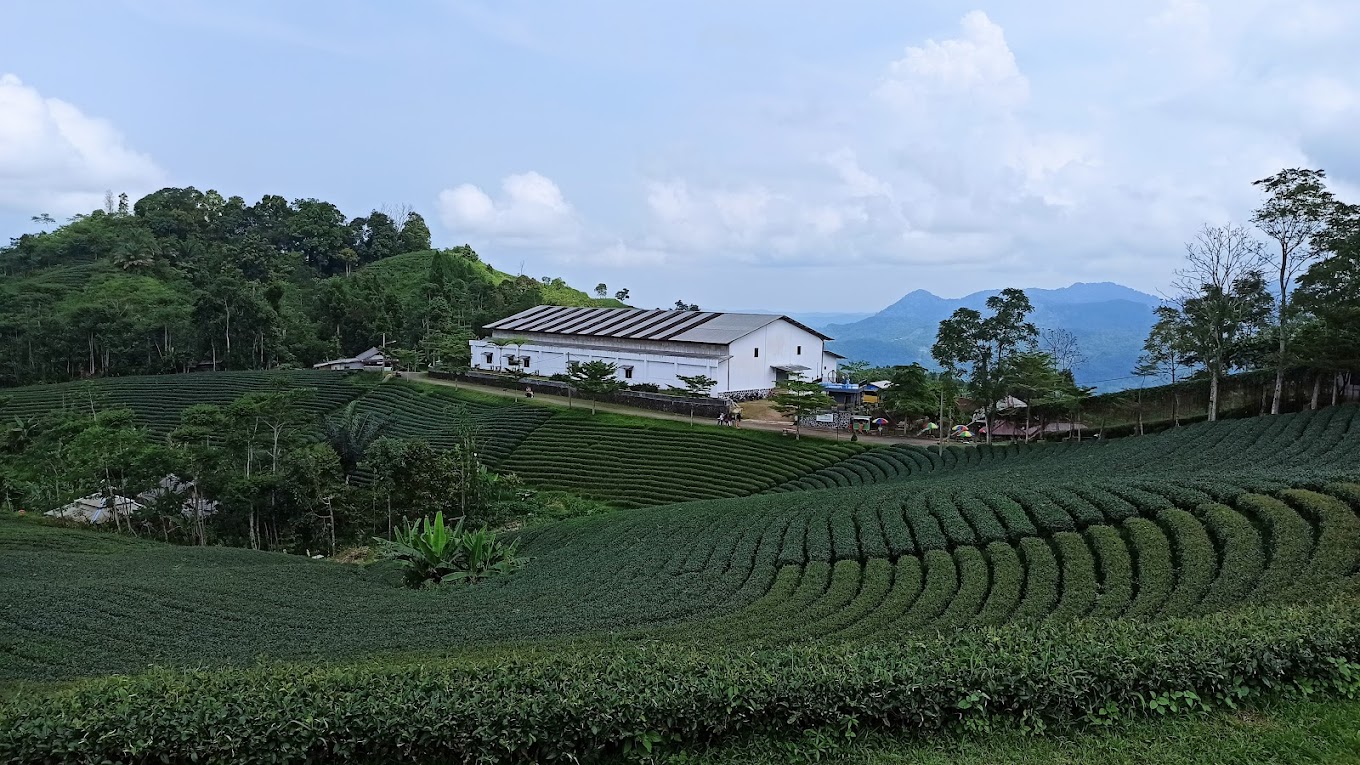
(1109, 320)
(814, 319)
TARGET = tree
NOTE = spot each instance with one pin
(697, 385)
(601, 290)
(350, 432)
(1222, 300)
(415, 233)
(799, 398)
(969, 344)
(621, 295)
(913, 393)
(317, 230)
(852, 371)
(1165, 354)
(1297, 209)
(596, 378)
(1062, 345)
(1328, 295)
(501, 344)
(1035, 375)
(681, 305)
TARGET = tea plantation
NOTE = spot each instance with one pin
(158, 400)
(626, 461)
(1025, 588)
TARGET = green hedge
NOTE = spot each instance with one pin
(1288, 542)
(524, 706)
(1242, 556)
(1152, 562)
(1008, 579)
(1078, 577)
(1196, 562)
(1116, 571)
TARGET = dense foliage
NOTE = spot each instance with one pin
(432, 553)
(184, 279)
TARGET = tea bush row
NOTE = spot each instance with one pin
(1314, 440)
(639, 466)
(594, 703)
(158, 400)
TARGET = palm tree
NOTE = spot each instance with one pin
(501, 342)
(350, 432)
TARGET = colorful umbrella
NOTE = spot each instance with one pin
(965, 434)
(880, 421)
(932, 426)
(960, 429)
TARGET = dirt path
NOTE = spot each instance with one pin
(544, 399)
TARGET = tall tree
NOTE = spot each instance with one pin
(1165, 354)
(601, 290)
(1063, 346)
(1222, 300)
(1329, 296)
(1296, 210)
(913, 392)
(415, 234)
(350, 433)
(969, 344)
(798, 398)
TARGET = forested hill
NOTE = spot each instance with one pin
(184, 278)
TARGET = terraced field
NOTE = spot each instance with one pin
(1305, 441)
(656, 463)
(1056, 584)
(436, 414)
(158, 399)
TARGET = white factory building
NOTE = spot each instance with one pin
(747, 353)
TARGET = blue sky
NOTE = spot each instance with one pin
(790, 154)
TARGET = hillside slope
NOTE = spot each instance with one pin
(409, 274)
(1077, 595)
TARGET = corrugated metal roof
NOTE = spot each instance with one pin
(639, 324)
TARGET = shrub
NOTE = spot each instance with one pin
(525, 705)
(432, 553)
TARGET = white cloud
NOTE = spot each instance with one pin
(976, 68)
(955, 156)
(1010, 147)
(531, 211)
(56, 159)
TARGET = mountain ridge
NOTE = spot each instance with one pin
(1109, 320)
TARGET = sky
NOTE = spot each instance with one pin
(792, 155)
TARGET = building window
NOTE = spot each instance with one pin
(800, 350)
(524, 360)
(512, 360)
(757, 353)
(489, 358)
(627, 373)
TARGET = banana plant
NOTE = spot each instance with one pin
(434, 553)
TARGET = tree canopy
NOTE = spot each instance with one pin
(183, 279)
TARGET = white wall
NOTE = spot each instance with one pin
(830, 366)
(780, 344)
(546, 360)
